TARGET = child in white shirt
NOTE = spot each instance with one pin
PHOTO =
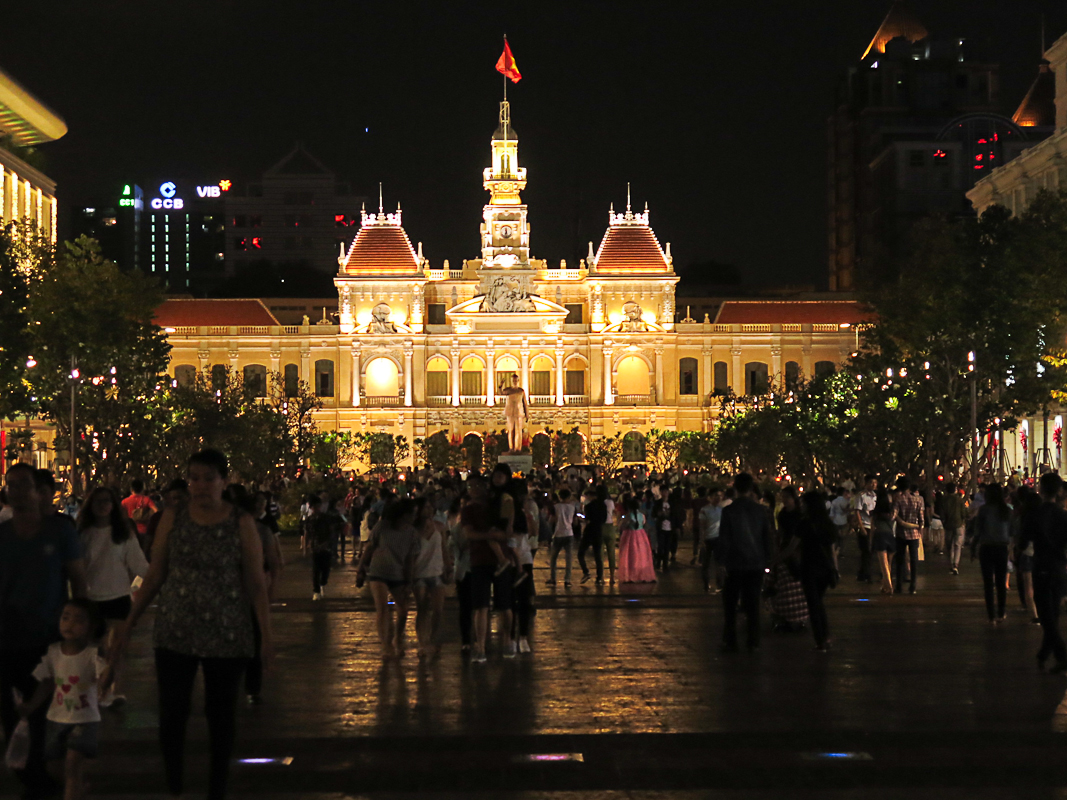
(72, 678)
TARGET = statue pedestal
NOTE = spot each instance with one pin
(518, 462)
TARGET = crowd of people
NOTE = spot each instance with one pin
(77, 578)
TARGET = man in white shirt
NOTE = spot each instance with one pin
(862, 507)
(708, 520)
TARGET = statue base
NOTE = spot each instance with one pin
(519, 462)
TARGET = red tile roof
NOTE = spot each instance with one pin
(628, 248)
(190, 313)
(795, 311)
(381, 248)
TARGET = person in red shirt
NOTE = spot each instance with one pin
(139, 507)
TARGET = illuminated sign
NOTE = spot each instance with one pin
(131, 197)
(225, 185)
(168, 200)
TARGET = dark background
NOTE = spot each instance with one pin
(715, 112)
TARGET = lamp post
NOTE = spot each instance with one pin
(75, 374)
(974, 423)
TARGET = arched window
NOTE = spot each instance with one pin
(792, 374)
(722, 378)
(633, 378)
(437, 378)
(470, 379)
(292, 380)
(824, 368)
(633, 447)
(541, 376)
(185, 374)
(256, 379)
(688, 378)
(756, 378)
(382, 378)
(219, 374)
(324, 377)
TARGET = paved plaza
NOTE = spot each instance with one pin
(627, 695)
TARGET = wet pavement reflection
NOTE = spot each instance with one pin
(918, 693)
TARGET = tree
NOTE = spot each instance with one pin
(661, 449)
(438, 452)
(381, 451)
(696, 449)
(605, 452)
(332, 450)
(566, 447)
(990, 287)
(93, 328)
(23, 252)
(298, 411)
(494, 445)
(228, 415)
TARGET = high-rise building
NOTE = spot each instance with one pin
(297, 213)
(174, 231)
(26, 193)
(918, 121)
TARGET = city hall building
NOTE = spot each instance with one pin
(418, 348)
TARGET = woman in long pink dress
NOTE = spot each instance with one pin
(635, 554)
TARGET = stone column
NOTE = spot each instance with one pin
(609, 398)
(524, 353)
(560, 399)
(659, 375)
(455, 376)
(737, 379)
(807, 364)
(357, 369)
(408, 352)
(205, 359)
(275, 360)
(707, 375)
(776, 361)
(490, 374)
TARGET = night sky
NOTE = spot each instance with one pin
(716, 113)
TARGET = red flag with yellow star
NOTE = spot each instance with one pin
(506, 64)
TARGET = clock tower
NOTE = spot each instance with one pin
(505, 230)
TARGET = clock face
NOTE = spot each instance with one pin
(505, 232)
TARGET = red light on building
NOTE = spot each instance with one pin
(940, 154)
(257, 242)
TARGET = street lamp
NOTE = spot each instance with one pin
(974, 422)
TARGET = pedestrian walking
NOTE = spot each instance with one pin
(709, 518)
(863, 504)
(39, 554)
(992, 534)
(388, 565)
(910, 509)
(488, 587)
(432, 564)
(635, 553)
(523, 535)
(562, 538)
(72, 732)
(596, 514)
(745, 543)
(321, 529)
(207, 570)
(814, 543)
(952, 518)
(113, 559)
(883, 537)
(1045, 527)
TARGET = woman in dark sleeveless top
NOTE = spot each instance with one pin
(207, 570)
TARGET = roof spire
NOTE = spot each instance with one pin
(627, 197)
(380, 203)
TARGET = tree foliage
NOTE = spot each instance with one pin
(605, 452)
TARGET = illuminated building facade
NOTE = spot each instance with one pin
(918, 122)
(419, 348)
(26, 193)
